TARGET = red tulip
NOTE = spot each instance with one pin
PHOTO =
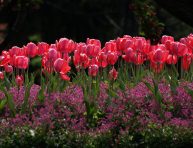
(65, 45)
(16, 51)
(5, 58)
(93, 42)
(112, 58)
(19, 80)
(172, 59)
(8, 68)
(110, 46)
(157, 67)
(64, 77)
(58, 64)
(52, 54)
(138, 58)
(93, 70)
(61, 66)
(166, 38)
(21, 62)
(124, 43)
(129, 55)
(81, 48)
(42, 48)
(92, 50)
(113, 74)
(139, 43)
(102, 58)
(178, 49)
(1, 75)
(159, 56)
(31, 50)
(186, 61)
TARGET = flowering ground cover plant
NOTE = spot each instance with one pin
(127, 93)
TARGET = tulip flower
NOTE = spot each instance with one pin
(65, 45)
(113, 74)
(93, 42)
(8, 68)
(112, 58)
(31, 50)
(172, 59)
(102, 59)
(93, 70)
(42, 48)
(92, 50)
(21, 62)
(178, 49)
(19, 80)
(1, 75)
(52, 54)
(186, 61)
(5, 58)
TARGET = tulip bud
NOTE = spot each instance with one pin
(21, 62)
(113, 74)
(31, 49)
(1, 75)
(58, 64)
(93, 70)
(112, 58)
(19, 80)
(8, 68)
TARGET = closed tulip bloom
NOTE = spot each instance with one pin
(110, 46)
(112, 58)
(65, 77)
(93, 42)
(16, 51)
(102, 59)
(178, 49)
(159, 55)
(19, 80)
(8, 68)
(113, 74)
(186, 61)
(166, 38)
(52, 54)
(81, 48)
(5, 58)
(31, 50)
(42, 48)
(129, 55)
(93, 70)
(172, 59)
(1, 75)
(138, 59)
(92, 50)
(21, 62)
(65, 45)
(58, 64)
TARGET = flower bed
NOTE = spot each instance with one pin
(127, 94)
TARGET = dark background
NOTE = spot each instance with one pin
(22, 21)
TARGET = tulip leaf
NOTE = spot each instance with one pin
(189, 91)
(2, 104)
(10, 101)
(27, 94)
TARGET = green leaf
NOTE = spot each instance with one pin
(27, 94)
(10, 101)
(189, 91)
(2, 104)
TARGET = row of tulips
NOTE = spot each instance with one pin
(119, 61)
(137, 50)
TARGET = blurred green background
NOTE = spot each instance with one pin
(22, 21)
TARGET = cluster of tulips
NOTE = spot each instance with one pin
(92, 56)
